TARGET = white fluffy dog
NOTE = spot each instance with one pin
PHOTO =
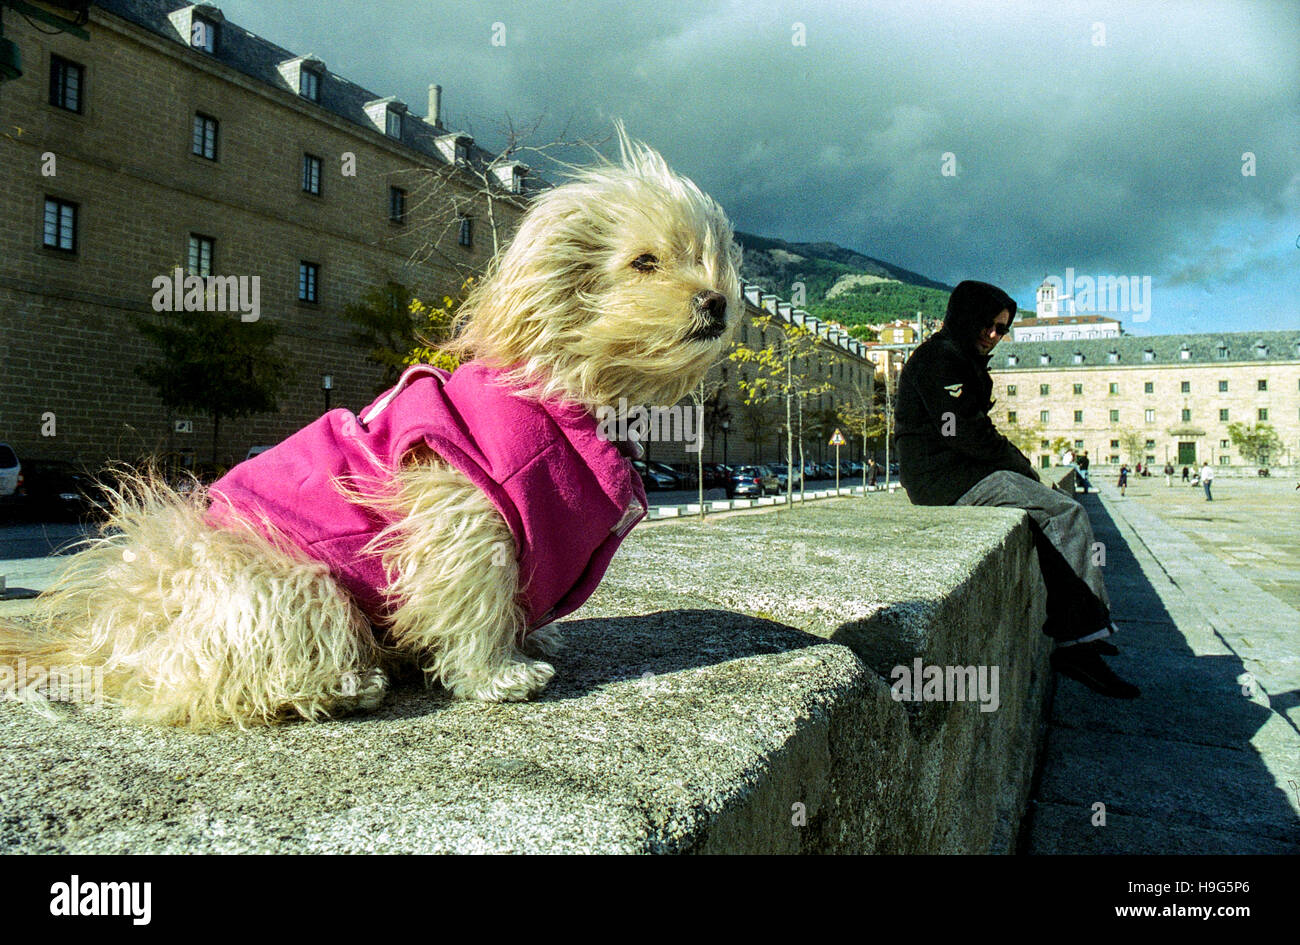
(619, 284)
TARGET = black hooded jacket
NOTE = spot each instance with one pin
(946, 441)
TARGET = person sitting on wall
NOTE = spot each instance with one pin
(950, 453)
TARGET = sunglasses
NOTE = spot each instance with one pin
(998, 327)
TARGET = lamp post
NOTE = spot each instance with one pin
(726, 425)
(327, 385)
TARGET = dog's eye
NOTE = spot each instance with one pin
(646, 262)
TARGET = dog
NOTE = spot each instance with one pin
(449, 524)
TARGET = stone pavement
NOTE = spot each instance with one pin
(1208, 759)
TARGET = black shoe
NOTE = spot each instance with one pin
(1083, 662)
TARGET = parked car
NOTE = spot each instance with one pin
(752, 481)
(688, 476)
(255, 451)
(716, 475)
(653, 479)
(55, 490)
(782, 474)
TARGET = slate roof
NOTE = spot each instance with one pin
(1219, 348)
(259, 59)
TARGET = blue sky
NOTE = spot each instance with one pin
(1103, 137)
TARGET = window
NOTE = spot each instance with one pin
(1078, 444)
(1223, 444)
(60, 225)
(308, 277)
(1149, 387)
(1148, 355)
(1112, 357)
(1223, 415)
(1044, 416)
(1185, 387)
(1078, 389)
(1012, 360)
(1114, 387)
(1261, 384)
(1011, 416)
(1114, 416)
(1223, 387)
(203, 34)
(311, 167)
(1263, 413)
(309, 84)
(1043, 390)
(1113, 460)
(462, 152)
(1114, 444)
(393, 124)
(1011, 390)
(1044, 444)
(1078, 416)
(65, 84)
(466, 231)
(1151, 444)
(1187, 415)
(1044, 359)
(1185, 353)
(205, 136)
(1149, 416)
(1078, 357)
(397, 204)
(202, 249)
(1222, 351)
(1224, 461)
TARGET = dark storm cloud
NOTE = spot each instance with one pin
(1119, 158)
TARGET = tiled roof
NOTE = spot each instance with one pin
(259, 59)
(1033, 320)
(1165, 349)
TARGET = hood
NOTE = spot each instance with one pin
(972, 308)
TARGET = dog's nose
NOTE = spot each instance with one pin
(712, 305)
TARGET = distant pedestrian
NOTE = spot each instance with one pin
(873, 472)
(1184, 474)
(1169, 474)
(1123, 478)
(1207, 477)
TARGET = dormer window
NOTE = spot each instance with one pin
(1148, 355)
(203, 34)
(1261, 350)
(1222, 352)
(309, 84)
(1012, 360)
(1112, 357)
(1185, 353)
(386, 115)
(511, 176)
(1044, 359)
(1078, 357)
(462, 152)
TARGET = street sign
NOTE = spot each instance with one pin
(837, 438)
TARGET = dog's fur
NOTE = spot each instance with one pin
(199, 627)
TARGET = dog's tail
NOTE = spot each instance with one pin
(86, 629)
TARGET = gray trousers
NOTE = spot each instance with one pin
(1077, 603)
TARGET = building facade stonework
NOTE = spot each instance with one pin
(1177, 394)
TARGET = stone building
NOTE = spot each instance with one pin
(1176, 394)
(174, 138)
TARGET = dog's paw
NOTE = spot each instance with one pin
(359, 692)
(548, 641)
(516, 681)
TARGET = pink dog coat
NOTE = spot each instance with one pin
(568, 496)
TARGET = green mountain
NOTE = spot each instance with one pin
(841, 284)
